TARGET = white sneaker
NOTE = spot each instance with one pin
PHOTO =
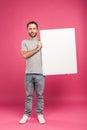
(41, 118)
(24, 119)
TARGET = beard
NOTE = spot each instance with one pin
(32, 34)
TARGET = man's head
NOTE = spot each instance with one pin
(32, 28)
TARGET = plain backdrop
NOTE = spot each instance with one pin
(49, 14)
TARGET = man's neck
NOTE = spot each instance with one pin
(35, 38)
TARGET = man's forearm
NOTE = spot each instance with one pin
(28, 54)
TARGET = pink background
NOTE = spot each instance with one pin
(49, 14)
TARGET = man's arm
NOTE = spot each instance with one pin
(28, 54)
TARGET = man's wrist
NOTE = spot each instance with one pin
(37, 49)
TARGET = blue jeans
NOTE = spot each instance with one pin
(34, 82)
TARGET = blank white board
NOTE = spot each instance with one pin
(59, 51)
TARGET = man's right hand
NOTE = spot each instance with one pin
(39, 46)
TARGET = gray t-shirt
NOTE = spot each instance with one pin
(34, 63)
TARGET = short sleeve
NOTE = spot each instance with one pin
(23, 46)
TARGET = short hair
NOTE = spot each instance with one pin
(32, 22)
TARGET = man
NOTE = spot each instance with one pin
(34, 79)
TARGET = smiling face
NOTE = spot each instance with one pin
(32, 30)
